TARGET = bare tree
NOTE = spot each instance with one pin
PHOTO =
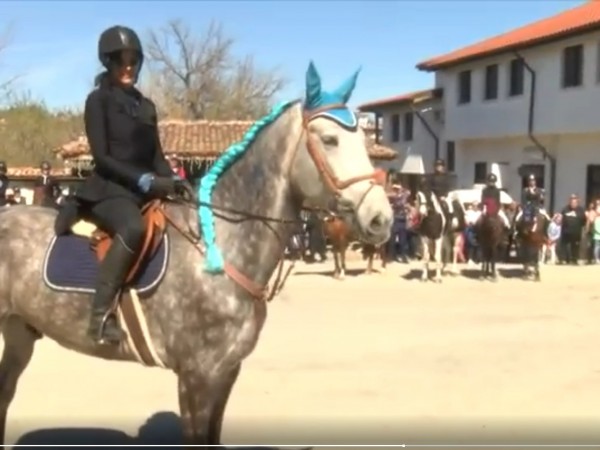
(6, 84)
(197, 77)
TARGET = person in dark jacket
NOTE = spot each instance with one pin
(49, 187)
(490, 198)
(439, 183)
(129, 168)
(3, 182)
(532, 199)
(573, 222)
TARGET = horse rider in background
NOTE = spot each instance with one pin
(3, 182)
(50, 187)
(439, 183)
(490, 198)
(532, 200)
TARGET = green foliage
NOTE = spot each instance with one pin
(30, 132)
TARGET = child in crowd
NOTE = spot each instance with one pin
(554, 230)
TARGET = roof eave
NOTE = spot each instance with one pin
(432, 67)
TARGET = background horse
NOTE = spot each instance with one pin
(341, 237)
(431, 232)
(490, 235)
(205, 311)
(454, 234)
(531, 231)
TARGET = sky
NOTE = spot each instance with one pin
(53, 44)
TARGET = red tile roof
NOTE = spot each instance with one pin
(583, 18)
(198, 139)
(399, 99)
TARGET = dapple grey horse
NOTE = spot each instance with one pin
(202, 325)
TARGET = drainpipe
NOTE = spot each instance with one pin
(436, 139)
(531, 136)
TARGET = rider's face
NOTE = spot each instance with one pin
(126, 67)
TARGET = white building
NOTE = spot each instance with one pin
(528, 99)
(411, 123)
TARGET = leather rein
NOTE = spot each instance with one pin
(334, 185)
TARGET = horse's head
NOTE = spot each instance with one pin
(337, 164)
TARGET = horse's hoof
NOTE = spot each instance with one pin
(437, 280)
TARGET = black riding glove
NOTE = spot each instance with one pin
(162, 187)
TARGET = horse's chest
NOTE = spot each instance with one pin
(243, 332)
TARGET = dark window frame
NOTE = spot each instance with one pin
(409, 126)
(480, 171)
(516, 77)
(465, 83)
(395, 119)
(573, 60)
(451, 156)
(490, 88)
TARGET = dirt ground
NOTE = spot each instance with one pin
(371, 359)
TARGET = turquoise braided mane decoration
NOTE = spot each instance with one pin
(214, 262)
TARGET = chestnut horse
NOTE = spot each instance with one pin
(490, 233)
(340, 235)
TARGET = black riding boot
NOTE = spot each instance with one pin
(112, 273)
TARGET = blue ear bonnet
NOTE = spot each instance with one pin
(317, 98)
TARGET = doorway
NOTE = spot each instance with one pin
(592, 183)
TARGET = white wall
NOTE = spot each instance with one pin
(422, 142)
(557, 110)
(573, 154)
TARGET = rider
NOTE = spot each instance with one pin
(532, 199)
(51, 189)
(130, 168)
(3, 182)
(440, 185)
(491, 193)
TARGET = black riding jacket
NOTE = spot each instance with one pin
(50, 185)
(490, 192)
(122, 129)
(533, 197)
(439, 184)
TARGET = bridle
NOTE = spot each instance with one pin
(335, 186)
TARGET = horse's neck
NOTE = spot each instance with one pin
(258, 184)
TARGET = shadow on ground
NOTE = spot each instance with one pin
(162, 428)
(328, 273)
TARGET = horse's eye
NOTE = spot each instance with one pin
(329, 140)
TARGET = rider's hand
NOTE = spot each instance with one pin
(184, 189)
(162, 187)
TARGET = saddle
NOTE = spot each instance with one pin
(155, 224)
(529, 214)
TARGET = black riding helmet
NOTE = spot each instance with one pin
(531, 178)
(45, 166)
(116, 39)
(492, 178)
(3, 168)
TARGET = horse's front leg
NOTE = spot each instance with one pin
(343, 261)
(196, 404)
(336, 263)
(438, 247)
(383, 254)
(493, 258)
(221, 399)
(426, 257)
(537, 266)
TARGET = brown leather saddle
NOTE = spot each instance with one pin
(155, 224)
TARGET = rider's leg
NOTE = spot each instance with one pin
(122, 218)
(504, 217)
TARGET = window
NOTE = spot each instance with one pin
(464, 87)
(408, 126)
(572, 74)
(395, 118)
(592, 185)
(516, 80)
(450, 156)
(480, 173)
(491, 82)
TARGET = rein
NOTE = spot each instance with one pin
(334, 185)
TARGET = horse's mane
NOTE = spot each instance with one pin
(214, 259)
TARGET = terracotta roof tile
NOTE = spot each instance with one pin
(400, 99)
(202, 139)
(35, 171)
(582, 18)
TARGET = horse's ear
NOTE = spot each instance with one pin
(345, 90)
(313, 86)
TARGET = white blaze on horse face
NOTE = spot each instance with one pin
(346, 154)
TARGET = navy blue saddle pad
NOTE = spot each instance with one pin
(71, 265)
